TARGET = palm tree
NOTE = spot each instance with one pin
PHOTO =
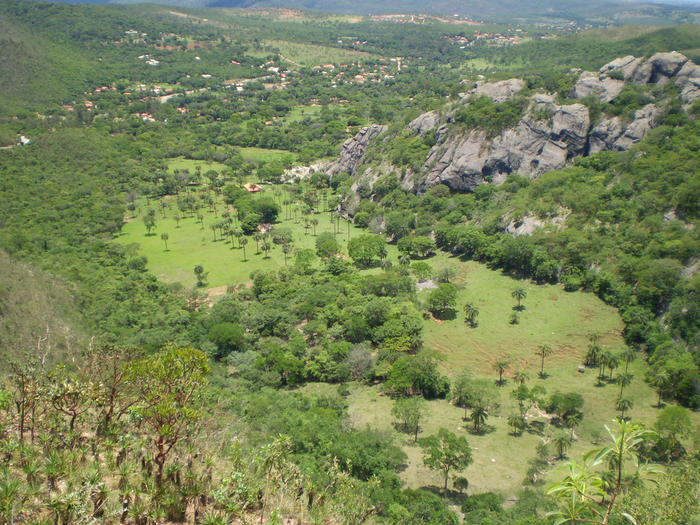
(613, 363)
(285, 250)
(519, 294)
(471, 312)
(602, 363)
(165, 238)
(543, 351)
(404, 260)
(314, 222)
(624, 381)
(257, 237)
(500, 366)
(562, 442)
(242, 242)
(266, 248)
(660, 382)
(517, 423)
(479, 416)
(623, 405)
(593, 354)
(520, 376)
(572, 420)
(628, 355)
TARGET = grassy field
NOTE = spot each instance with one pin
(191, 165)
(191, 244)
(258, 154)
(310, 55)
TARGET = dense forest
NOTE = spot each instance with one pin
(204, 320)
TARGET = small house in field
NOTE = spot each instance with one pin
(252, 188)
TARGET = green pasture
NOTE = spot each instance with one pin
(263, 154)
(191, 165)
(314, 55)
(193, 244)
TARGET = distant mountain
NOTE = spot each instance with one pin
(594, 12)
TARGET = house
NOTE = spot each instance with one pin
(252, 188)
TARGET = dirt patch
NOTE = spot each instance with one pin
(214, 293)
(426, 285)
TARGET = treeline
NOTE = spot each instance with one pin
(628, 236)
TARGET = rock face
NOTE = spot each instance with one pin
(612, 134)
(354, 149)
(424, 123)
(532, 147)
(547, 137)
(498, 91)
(604, 88)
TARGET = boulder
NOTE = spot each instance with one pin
(644, 119)
(498, 91)
(666, 64)
(592, 84)
(604, 134)
(688, 79)
(628, 65)
(424, 123)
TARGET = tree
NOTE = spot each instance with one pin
(543, 350)
(623, 405)
(562, 442)
(501, 366)
(242, 243)
(170, 385)
(674, 422)
(266, 248)
(286, 249)
(445, 451)
(520, 376)
(612, 362)
(150, 221)
(471, 312)
(200, 275)
(228, 337)
(660, 381)
(422, 270)
(479, 417)
(572, 419)
(442, 300)
(628, 355)
(517, 424)
(581, 496)
(519, 294)
(624, 380)
(408, 413)
(365, 249)
(165, 238)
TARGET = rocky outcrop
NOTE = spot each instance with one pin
(354, 148)
(498, 91)
(532, 147)
(612, 134)
(424, 123)
(604, 88)
(688, 79)
(547, 137)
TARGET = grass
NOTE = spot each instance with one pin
(191, 165)
(191, 244)
(266, 155)
(314, 55)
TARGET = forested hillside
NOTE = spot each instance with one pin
(284, 267)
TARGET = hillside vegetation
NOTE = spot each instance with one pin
(232, 292)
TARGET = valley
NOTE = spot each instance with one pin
(281, 266)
